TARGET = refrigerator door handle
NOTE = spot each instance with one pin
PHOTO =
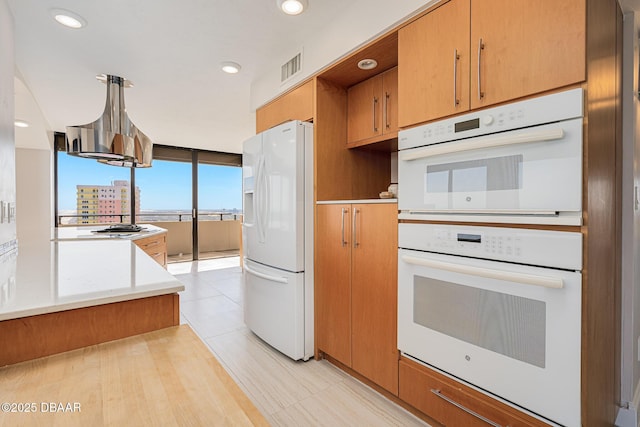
(269, 277)
(260, 200)
(256, 196)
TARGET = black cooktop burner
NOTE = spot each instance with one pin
(120, 228)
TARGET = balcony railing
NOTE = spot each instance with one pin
(150, 217)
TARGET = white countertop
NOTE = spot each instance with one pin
(89, 232)
(50, 276)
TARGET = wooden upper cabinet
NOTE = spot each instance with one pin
(295, 105)
(527, 48)
(433, 64)
(372, 107)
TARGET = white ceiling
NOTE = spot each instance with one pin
(170, 50)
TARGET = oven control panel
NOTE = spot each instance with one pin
(478, 243)
(531, 112)
(559, 249)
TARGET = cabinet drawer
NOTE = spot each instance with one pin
(454, 404)
(152, 243)
(159, 257)
(155, 246)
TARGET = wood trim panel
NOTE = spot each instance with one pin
(570, 228)
(602, 206)
(332, 169)
(296, 104)
(43, 335)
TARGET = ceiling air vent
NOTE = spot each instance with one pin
(291, 68)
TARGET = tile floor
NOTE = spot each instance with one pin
(288, 393)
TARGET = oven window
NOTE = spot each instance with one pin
(507, 324)
(498, 173)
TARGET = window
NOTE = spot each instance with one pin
(88, 192)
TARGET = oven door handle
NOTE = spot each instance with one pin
(510, 276)
(475, 144)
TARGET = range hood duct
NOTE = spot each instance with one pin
(112, 139)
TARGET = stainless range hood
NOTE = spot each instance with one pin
(112, 139)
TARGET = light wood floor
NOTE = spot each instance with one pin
(288, 393)
(168, 377)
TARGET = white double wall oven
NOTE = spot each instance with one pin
(489, 289)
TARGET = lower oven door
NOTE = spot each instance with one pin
(510, 329)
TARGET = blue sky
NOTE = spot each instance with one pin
(163, 186)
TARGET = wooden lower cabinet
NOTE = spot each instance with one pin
(155, 246)
(452, 403)
(356, 288)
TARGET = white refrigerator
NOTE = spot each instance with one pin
(277, 230)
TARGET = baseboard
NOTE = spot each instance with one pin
(628, 417)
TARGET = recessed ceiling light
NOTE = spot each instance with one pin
(21, 124)
(367, 64)
(68, 18)
(230, 67)
(292, 7)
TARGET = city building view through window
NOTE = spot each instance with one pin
(170, 194)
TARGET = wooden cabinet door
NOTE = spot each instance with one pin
(374, 293)
(333, 281)
(529, 47)
(390, 101)
(433, 64)
(364, 109)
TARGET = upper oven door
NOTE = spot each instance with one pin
(510, 329)
(531, 171)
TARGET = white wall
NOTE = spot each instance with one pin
(7, 115)
(630, 368)
(34, 188)
(359, 22)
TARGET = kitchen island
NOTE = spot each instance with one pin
(58, 295)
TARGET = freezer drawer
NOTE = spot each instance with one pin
(274, 309)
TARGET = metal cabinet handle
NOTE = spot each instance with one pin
(355, 234)
(480, 49)
(344, 211)
(386, 110)
(375, 122)
(456, 57)
(465, 409)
